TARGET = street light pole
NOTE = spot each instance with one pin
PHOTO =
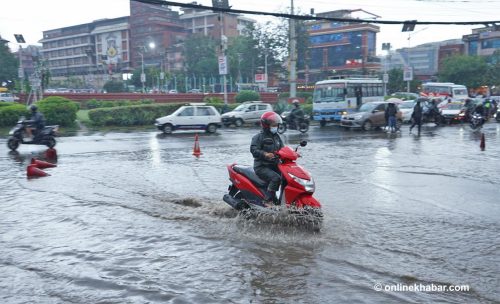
(293, 63)
(143, 76)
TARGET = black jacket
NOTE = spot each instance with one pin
(297, 113)
(417, 111)
(264, 142)
(37, 120)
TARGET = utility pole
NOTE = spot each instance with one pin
(223, 54)
(293, 59)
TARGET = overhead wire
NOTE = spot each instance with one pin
(311, 17)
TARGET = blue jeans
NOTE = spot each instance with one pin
(392, 122)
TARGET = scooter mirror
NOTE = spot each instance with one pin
(303, 143)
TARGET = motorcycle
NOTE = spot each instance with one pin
(476, 121)
(303, 124)
(247, 190)
(431, 114)
(46, 136)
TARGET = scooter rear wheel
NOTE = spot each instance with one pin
(13, 144)
(282, 128)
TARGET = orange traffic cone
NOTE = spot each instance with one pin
(51, 154)
(42, 164)
(33, 171)
(482, 145)
(196, 149)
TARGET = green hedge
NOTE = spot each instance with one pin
(11, 112)
(58, 110)
(247, 95)
(95, 104)
(131, 115)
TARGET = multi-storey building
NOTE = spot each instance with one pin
(425, 58)
(96, 49)
(207, 23)
(483, 41)
(340, 48)
(155, 30)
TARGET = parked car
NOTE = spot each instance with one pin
(370, 115)
(406, 108)
(453, 112)
(195, 116)
(248, 112)
(8, 97)
(195, 91)
(173, 92)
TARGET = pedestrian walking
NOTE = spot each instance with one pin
(416, 117)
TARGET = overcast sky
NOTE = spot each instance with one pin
(31, 17)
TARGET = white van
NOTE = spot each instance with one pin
(195, 116)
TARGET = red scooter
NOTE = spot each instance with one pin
(247, 190)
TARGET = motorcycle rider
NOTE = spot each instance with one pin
(36, 123)
(296, 115)
(263, 146)
(479, 110)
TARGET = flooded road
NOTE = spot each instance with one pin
(135, 218)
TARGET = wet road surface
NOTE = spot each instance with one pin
(135, 218)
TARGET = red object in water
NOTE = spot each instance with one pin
(51, 154)
(42, 164)
(482, 145)
(33, 171)
(196, 149)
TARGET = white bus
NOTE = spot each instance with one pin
(336, 97)
(444, 90)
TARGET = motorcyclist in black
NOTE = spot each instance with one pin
(36, 122)
(469, 108)
(296, 115)
(263, 147)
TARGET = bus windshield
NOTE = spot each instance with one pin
(460, 92)
(329, 93)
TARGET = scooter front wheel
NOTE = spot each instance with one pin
(50, 142)
(13, 143)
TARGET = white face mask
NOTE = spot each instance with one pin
(273, 130)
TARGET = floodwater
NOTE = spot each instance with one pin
(135, 218)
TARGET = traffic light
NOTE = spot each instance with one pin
(19, 38)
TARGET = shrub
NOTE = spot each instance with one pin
(114, 86)
(58, 110)
(213, 100)
(94, 104)
(131, 115)
(10, 113)
(247, 95)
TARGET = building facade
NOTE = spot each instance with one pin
(340, 48)
(208, 23)
(483, 41)
(94, 51)
(155, 30)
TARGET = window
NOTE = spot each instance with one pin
(262, 107)
(252, 108)
(187, 112)
(205, 111)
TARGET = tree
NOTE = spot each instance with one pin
(470, 71)
(114, 86)
(8, 67)
(200, 57)
(397, 84)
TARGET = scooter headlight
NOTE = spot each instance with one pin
(307, 184)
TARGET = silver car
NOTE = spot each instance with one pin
(370, 115)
